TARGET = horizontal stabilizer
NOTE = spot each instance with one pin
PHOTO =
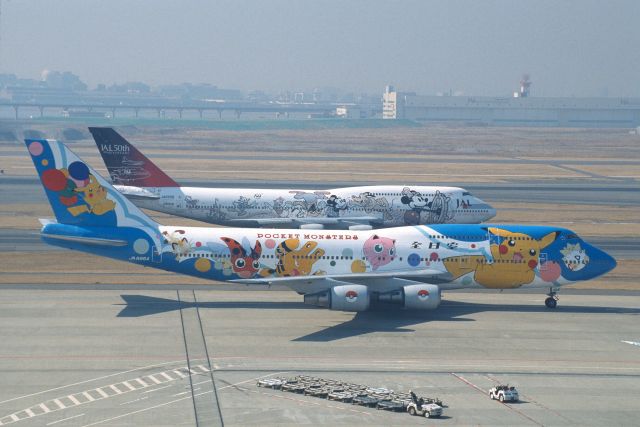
(95, 241)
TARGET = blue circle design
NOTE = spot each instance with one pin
(78, 170)
(413, 260)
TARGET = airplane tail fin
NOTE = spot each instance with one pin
(127, 165)
(78, 195)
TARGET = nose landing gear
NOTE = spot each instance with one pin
(552, 301)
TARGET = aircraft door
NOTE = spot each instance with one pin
(156, 255)
(543, 261)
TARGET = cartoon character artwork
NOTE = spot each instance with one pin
(293, 261)
(216, 212)
(191, 203)
(379, 251)
(370, 203)
(179, 244)
(335, 204)
(78, 190)
(574, 257)
(515, 258)
(310, 203)
(242, 205)
(436, 210)
(244, 261)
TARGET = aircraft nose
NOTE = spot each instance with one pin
(601, 261)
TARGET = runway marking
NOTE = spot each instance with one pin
(141, 382)
(135, 400)
(156, 389)
(180, 374)
(632, 342)
(60, 404)
(57, 403)
(92, 380)
(88, 396)
(203, 368)
(116, 389)
(65, 419)
(179, 394)
(154, 379)
(129, 386)
(101, 392)
(485, 392)
(74, 400)
(164, 374)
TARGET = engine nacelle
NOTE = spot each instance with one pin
(413, 297)
(343, 298)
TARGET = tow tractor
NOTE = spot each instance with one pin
(504, 393)
(418, 406)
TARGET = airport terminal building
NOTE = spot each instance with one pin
(513, 111)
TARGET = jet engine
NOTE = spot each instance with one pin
(413, 297)
(343, 298)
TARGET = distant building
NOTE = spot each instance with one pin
(350, 112)
(510, 111)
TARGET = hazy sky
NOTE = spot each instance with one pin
(478, 47)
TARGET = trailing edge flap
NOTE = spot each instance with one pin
(94, 241)
(338, 277)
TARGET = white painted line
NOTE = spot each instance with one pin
(180, 374)
(164, 374)
(29, 412)
(60, 404)
(88, 396)
(102, 393)
(14, 417)
(179, 394)
(129, 386)
(192, 372)
(155, 365)
(64, 419)
(156, 389)
(178, 400)
(204, 368)
(632, 342)
(44, 408)
(144, 409)
(116, 389)
(216, 366)
(74, 400)
(154, 379)
(141, 382)
(135, 400)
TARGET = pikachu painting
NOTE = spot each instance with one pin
(515, 258)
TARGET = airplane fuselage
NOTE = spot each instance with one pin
(451, 256)
(340, 208)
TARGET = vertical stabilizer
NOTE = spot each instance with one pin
(78, 194)
(127, 165)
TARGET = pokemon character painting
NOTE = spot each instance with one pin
(345, 270)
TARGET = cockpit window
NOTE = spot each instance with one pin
(466, 193)
(572, 236)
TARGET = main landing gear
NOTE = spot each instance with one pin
(552, 301)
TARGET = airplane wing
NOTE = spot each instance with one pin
(136, 193)
(309, 284)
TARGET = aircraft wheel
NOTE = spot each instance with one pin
(551, 302)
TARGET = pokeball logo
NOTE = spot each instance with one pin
(351, 296)
(423, 294)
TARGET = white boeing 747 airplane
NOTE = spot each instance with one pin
(341, 270)
(355, 208)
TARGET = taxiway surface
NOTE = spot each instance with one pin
(107, 357)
